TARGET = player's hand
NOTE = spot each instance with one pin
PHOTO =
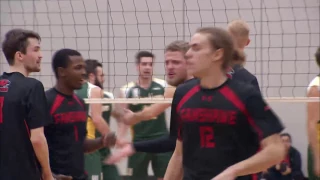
(109, 140)
(47, 175)
(225, 175)
(288, 171)
(121, 143)
(124, 152)
(128, 117)
(61, 177)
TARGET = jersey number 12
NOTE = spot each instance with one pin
(1, 107)
(207, 137)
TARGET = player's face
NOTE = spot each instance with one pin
(75, 72)
(145, 67)
(286, 140)
(176, 67)
(201, 57)
(99, 77)
(32, 58)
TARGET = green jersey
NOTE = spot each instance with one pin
(106, 114)
(85, 92)
(155, 127)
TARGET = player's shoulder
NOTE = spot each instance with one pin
(32, 83)
(315, 82)
(242, 89)
(160, 82)
(127, 86)
(188, 85)
(108, 94)
(243, 74)
(51, 95)
(125, 89)
(91, 86)
(76, 96)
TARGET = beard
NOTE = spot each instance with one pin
(97, 83)
(176, 82)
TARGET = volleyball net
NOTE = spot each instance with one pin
(284, 36)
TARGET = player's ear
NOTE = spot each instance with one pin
(248, 42)
(61, 72)
(218, 54)
(91, 76)
(18, 56)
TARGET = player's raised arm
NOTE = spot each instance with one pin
(266, 125)
(38, 117)
(96, 112)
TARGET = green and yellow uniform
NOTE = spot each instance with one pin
(93, 164)
(110, 172)
(146, 130)
(314, 82)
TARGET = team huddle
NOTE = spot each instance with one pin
(220, 126)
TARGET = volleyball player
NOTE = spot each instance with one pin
(66, 136)
(93, 87)
(222, 122)
(146, 86)
(239, 31)
(23, 113)
(176, 71)
(313, 124)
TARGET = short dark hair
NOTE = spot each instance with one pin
(286, 134)
(318, 56)
(61, 58)
(91, 66)
(142, 54)
(220, 39)
(17, 40)
(181, 46)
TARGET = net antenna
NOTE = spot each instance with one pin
(284, 37)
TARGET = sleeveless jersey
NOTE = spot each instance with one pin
(106, 114)
(316, 82)
(152, 128)
(84, 93)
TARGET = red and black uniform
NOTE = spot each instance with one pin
(23, 107)
(220, 127)
(66, 134)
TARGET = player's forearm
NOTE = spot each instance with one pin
(313, 141)
(122, 130)
(40, 147)
(117, 112)
(100, 124)
(91, 145)
(149, 112)
(267, 157)
(175, 168)
(159, 145)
